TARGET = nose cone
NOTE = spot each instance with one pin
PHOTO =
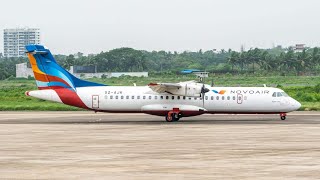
(296, 105)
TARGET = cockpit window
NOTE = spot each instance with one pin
(280, 94)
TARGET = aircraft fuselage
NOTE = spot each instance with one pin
(237, 100)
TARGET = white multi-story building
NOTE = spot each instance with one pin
(15, 40)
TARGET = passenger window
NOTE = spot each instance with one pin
(111, 97)
(132, 97)
(228, 98)
(106, 96)
(172, 97)
(127, 97)
(245, 98)
(144, 97)
(195, 98)
(184, 98)
(116, 97)
(234, 98)
(206, 97)
(121, 97)
(155, 97)
(167, 97)
(161, 97)
(149, 97)
(189, 98)
(217, 97)
(212, 98)
(178, 97)
(222, 97)
(138, 97)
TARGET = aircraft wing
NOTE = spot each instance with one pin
(164, 87)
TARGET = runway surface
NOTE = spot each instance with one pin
(68, 145)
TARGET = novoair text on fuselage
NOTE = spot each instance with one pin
(249, 91)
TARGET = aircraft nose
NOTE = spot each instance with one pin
(296, 105)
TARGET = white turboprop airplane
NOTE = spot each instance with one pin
(171, 100)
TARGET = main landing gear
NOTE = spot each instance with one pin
(283, 116)
(173, 115)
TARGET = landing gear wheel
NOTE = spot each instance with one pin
(169, 118)
(172, 117)
(175, 117)
(283, 116)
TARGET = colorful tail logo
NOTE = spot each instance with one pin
(219, 92)
(48, 74)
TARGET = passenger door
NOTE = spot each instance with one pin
(95, 101)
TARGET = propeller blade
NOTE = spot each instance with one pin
(203, 101)
(203, 91)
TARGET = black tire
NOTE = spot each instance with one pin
(167, 119)
(175, 117)
(283, 118)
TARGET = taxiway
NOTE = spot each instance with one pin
(51, 145)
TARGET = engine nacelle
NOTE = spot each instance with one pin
(187, 89)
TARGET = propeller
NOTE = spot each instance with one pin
(204, 90)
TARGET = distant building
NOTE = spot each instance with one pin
(23, 71)
(299, 47)
(83, 69)
(83, 72)
(200, 74)
(15, 40)
(86, 72)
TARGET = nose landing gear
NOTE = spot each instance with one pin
(173, 115)
(283, 116)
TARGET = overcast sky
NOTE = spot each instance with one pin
(92, 26)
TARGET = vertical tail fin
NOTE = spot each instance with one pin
(48, 73)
